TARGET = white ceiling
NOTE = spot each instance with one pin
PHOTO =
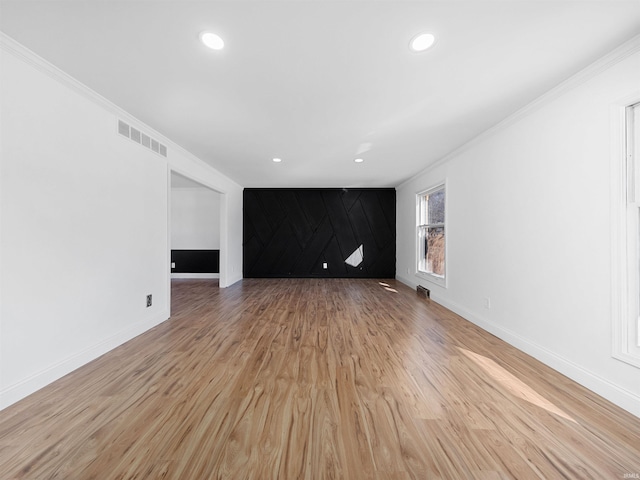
(314, 82)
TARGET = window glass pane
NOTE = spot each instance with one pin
(422, 249)
(431, 235)
(436, 207)
(422, 210)
(435, 251)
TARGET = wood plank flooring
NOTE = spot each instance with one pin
(315, 379)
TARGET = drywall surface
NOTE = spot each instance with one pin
(195, 219)
(84, 222)
(528, 216)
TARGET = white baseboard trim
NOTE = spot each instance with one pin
(31, 384)
(195, 275)
(603, 387)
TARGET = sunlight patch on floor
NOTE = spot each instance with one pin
(387, 287)
(513, 384)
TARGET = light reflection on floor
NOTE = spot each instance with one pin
(513, 384)
(388, 288)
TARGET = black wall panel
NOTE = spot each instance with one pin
(196, 261)
(292, 232)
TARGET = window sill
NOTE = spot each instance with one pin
(628, 358)
(435, 279)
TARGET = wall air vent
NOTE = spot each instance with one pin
(423, 292)
(135, 135)
(141, 138)
(123, 128)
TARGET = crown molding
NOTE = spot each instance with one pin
(15, 48)
(10, 45)
(617, 55)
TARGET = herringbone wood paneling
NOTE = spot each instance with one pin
(292, 232)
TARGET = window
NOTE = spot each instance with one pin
(626, 240)
(431, 234)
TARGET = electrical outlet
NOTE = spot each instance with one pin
(173, 264)
(325, 265)
(487, 302)
(149, 300)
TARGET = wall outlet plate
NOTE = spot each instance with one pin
(149, 300)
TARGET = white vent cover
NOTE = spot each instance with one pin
(123, 128)
(135, 135)
(141, 138)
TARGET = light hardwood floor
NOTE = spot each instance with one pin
(315, 379)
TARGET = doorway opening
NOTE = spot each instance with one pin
(194, 231)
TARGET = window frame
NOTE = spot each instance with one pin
(625, 233)
(441, 280)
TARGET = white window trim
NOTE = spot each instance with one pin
(430, 277)
(623, 347)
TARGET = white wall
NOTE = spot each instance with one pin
(83, 225)
(195, 219)
(528, 226)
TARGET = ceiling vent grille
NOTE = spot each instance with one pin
(141, 138)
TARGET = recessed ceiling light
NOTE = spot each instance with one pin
(359, 160)
(212, 40)
(277, 160)
(421, 42)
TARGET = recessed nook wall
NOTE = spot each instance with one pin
(195, 232)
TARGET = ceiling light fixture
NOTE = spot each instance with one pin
(212, 40)
(277, 160)
(359, 160)
(422, 42)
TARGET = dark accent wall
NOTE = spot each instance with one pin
(292, 232)
(196, 261)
